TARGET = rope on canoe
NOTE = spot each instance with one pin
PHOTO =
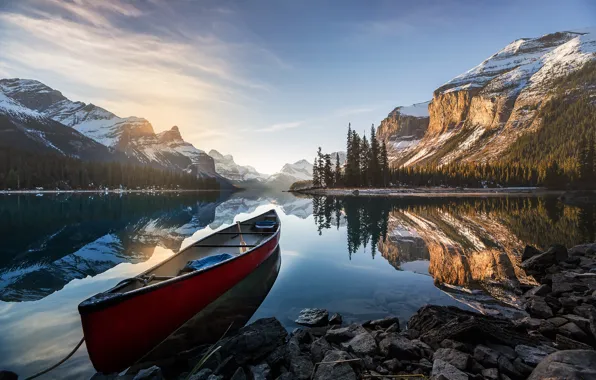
(59, 363)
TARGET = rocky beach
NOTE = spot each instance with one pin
(556, 339)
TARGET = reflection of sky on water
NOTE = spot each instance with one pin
(333, 270)
(36, 334)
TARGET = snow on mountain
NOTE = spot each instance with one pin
(477, 115)
(290, 173)
(132, 136)
(229, 169)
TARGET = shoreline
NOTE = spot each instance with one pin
(105, 191)
(430, 192)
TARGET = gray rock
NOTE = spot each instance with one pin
(505, 366)
(454, 357)
(344, 334)
(152, 373)
(522, 367)
(277, 357)
(255, 341)
(399, 347)
(285, 376)
(571, 330)
(393, 328)
(393, 365)
(537, 307)
(303, 336)
(529, 251)
(486, 356)
(445, 371)
(301, 367)
(490, 374)
(335, 371)
(528, 323)
(506, 351)
(382, 323)
(313, 317)
(531, 355)
(585, 310)
(319, 348)
(565, 343)
(539, 262)
(226, 367)
(336, 319)
(449, 343)
(361, 344)
(569, 365)
(239, 374)
(260, 372)
(541, 290)
(215, 377)
(557, 321)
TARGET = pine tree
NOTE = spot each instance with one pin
(316, 178)
(373, 161)
(356, 148)
(384, 165)
(337, 174)
(364, 161)
(328, 170)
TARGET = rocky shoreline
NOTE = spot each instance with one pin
(427, 191)
(556, 340)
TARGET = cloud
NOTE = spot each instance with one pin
(280, 127)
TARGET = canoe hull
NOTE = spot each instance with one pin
(120, 334)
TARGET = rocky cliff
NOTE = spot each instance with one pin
(477, 115)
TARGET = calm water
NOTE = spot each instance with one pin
(364, 258)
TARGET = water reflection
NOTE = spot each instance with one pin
(363, 257)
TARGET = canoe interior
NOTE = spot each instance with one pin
(225, 241)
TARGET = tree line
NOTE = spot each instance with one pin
(367, 164)
(20, 170)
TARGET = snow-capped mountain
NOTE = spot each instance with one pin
(477, 115)
(404, 127)
(290, 173)
(225, 166)
(132, 136)
(27, 129)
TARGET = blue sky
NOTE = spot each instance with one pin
(266, 81)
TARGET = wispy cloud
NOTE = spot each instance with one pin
(280, 127)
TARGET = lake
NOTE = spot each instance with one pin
(362, 257)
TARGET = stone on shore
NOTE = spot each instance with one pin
(537, 307)
(152, 373)
(456, 358)
(343, 334)
(313, 317)
(569, 365)
(335, 371)
(361, 344)
(531, 355)
(382, 323)
(445, 371)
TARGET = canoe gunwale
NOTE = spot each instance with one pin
(88, 306)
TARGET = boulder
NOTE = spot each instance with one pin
(313, 317)
(301, 367)
(361, 344)
(336, 319)
(399, 347)
(537, 307)
(585, 310)
(531, 355)
(393, 365)
(226, 367)
(538, 263)
(382, 323)
(344, 334)
(335, 371)
(522, 367)
(490, 374)
(260, 372)
(506, 351)
(506, 367)
(448, 343)
(318, 349)
(540, 290)
(571, 330)
(203, 374)
(486, 356)
(445, 371)
(152, 373)
(565, 343)
(557, 321)
(255, 341)
(569, 365)
(529, 251)
(454, 357)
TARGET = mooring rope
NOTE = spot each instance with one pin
(60, 362)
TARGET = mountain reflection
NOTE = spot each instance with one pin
(463, 243)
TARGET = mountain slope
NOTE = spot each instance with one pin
(404, 127)
(26, 129)
(477, 115)
(132, 136)
(290, 173)
(225, 166)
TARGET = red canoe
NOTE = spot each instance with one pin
(127, 321)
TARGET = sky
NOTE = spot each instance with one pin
(267, 81)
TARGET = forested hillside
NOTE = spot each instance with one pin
(26, 170)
